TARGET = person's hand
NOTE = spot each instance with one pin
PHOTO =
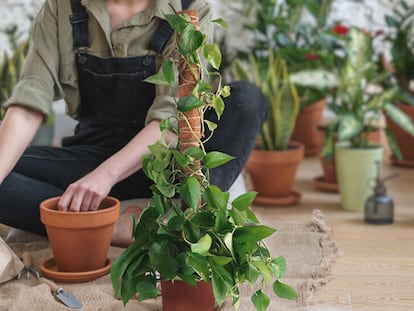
(86, 194)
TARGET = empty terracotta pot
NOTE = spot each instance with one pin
(79, 240)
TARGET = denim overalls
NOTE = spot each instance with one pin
(114, 104)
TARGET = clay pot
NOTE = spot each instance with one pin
(306, 127)
(273, 173)
(179, 295)
(405, 141)
(79, 240)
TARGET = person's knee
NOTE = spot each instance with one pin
(249, 98)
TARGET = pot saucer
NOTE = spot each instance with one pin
(321, 184)
(402, 163)
(291, 199)
(49, 269)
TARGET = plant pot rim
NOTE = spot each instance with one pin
(346, 145)
(83, 219)
(293, 145)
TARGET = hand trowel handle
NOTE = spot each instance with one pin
(49, 283)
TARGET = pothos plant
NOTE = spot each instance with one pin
(190, 230)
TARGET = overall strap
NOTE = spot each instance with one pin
(79, 21)
(164, 32)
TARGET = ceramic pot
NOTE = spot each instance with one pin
(179, 295)
(328, 182)
(306, 127)
(79, 240)
(273, 173)
(356, 169)
(405, 141)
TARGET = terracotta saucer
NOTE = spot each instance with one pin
(321, 184)
(402, 163)
(49, 269)
(292, 199)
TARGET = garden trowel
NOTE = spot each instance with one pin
(64, 296)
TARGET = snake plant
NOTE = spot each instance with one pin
(270, 74)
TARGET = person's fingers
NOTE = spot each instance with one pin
(76, 202)
(65, 200)
(96, 201)
(86, 201)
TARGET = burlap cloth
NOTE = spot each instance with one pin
(308, 249)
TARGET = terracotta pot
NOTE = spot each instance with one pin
(306, 127)
(181, 296)
(273, 172)
(79, 240)
(405, 141)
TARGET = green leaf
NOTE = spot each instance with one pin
(190, 40)
(216, 158)
(218, 105)
(188, 103)
(279, 266)
(283, 290)
(168, 71)
(265, 271)
(146, 288)
(204, 220)
(213, 55)
(244, 201)
(194, 152)
(166, 264)
(260, 300)
(239, 217)
(349, 127)
(222, 283)
(202, 246)
(216, 198)
(190, 191)
(176, 21)
(200, 265)
(221, 22)
(180, 158)
(211, 125)
(220, 260)
(393, 144)
(399, 117)
(158, 79)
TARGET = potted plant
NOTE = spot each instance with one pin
(190, 234)
(359, 102)
(10, 67)
(400, 24)
(300, 33)
(273, 164)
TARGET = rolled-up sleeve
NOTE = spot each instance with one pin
(38, 85)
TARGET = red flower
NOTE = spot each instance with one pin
(311, 56)
(340, 29)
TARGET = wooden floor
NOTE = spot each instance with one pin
(376, 268)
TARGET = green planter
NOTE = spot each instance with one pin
(356, 170)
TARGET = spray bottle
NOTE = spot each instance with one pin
(379, 207)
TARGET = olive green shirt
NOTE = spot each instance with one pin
(49, 72)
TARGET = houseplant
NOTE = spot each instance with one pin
(400, 25)
(10, 67)
(359, 103)
(274, 162)
(188, 233)
(300, 32)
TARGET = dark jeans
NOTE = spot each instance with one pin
(44, 172)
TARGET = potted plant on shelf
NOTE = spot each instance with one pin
(273, 163)
(190, 236)
(10, 67)
(299, 32)
(359, 102)
(400, 25)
